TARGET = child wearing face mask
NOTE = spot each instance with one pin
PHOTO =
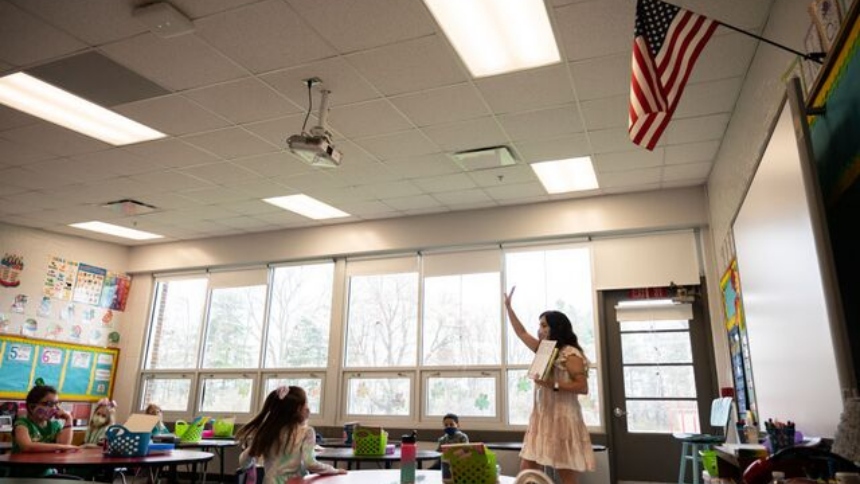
(45, 428)
(102, 418)
(453, 434)
(160, 428)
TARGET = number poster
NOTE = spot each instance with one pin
(88, 284)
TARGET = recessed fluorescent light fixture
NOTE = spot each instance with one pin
(497, 36)
(306, 206)
(572, 175)
(116, 230)
(38, 98)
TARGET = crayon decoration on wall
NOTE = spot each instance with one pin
(30, 327)
(10, 270)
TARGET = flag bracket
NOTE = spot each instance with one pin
(817, 111)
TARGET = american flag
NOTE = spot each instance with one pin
(667, 41)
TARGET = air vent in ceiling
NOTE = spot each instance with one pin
(484, 158)
(130, 207)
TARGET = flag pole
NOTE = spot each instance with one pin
(817, 57)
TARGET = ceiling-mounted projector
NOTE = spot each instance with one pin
(315, 147)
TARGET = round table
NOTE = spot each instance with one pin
(387, 476)
(336, 455)
(96, 459)
(335, 442)
(218, 445)
(518, 446)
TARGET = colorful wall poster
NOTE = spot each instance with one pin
(115, 291)
(60, 278)
(739, 352)
(88, 284)
(11, 266)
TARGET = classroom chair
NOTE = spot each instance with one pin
(692, 444)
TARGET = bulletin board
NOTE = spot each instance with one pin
(78, 372)
(730, 290)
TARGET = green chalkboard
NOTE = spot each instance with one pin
(78, 372)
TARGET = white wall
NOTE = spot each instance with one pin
(745, 139)
(791, 347)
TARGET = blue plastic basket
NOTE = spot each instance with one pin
(123, 443)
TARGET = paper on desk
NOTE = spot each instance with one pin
(141, 423)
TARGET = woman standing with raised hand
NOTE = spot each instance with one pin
(556, 435)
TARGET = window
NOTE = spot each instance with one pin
(300, 316)
(226, 395)
(177, 318)
(383, 395)
(235, 327)
(171, 394)
(551, 279)
(469, 396)
(382, 317)
(312, 385)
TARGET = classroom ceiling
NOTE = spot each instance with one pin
(229, 94)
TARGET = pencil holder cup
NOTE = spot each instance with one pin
(780, 438)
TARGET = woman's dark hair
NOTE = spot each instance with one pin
(265, 430)
(38, 392)
(561, 330)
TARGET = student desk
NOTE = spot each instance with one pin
(384, 476)
(95, 459)
(217, 445)
(336, 455)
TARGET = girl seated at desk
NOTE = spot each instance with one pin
(45, 428)
(279, 435)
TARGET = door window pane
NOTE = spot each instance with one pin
(662, 416)
(235, 327)
(461, 320)
(378, 396)
(312, 386)
(177, 318)
(464, 396)
(557, 279)
(659, 381)
(656, 348)
(227, 395)
(656, 325)
(171, 394)
(300, 316)
(382, 320)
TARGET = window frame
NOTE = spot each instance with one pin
(495, 373)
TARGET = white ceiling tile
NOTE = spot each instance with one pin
(691, 130)
(692, 152)
(220, 173)
(608, 140)
(423, 166)
(646, 187)
(443, 105)
(317, 179)
(610, 112)
(519, 173)
(526, 192)
(54, 139)
(367, 119)
(168, 201)
(445, 183)
(276, 131)
(629, 177)
(397, 189)
(724, 56)
(601, 77)
(682, 183)
(173, 115)
(196, 9)
(26, 39)
(95, 21)
(9, 187)
(171, 180)
(556, 149)
(253, 207)
(261, 189)
(344, 82)
(412, 203)
(171, 153)
(264, 36)
(409, 66)
(472, 198)
(220, 195)
(527, 90)
(12, 118)
(368, 208)
(628, 160)
(40, 200)
(362, 174)
(207, 212)
(687, 171)
(12, 154)
(231, 143)
(596, 28)
(354, 154)
(62, 167)
(243, 101)
(280, 164)
(351, 26)
(742, 13)
(542, 124)
(405, 144)
(176, 63)
(709, 98)
(467, 135)
(110, 163)
(15, 205)
(246, 223)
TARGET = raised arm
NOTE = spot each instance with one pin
(517, 325)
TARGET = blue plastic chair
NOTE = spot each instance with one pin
(692, 444)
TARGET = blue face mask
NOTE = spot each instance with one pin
(450, 431)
